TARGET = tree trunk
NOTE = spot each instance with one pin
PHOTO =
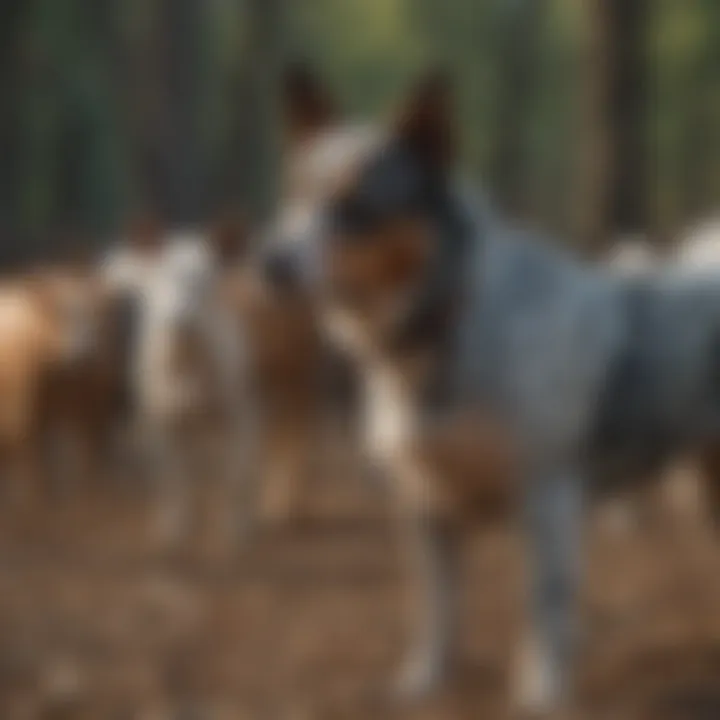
(613, 192)
(260, 126)
(10, 15)
(695, 150)
(699, 147)
(519, 33)
(628, 121)
(183, 183)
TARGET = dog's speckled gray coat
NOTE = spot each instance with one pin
(592, 371)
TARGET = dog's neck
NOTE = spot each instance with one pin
(426, 335)
(432, 314)
(416, 348)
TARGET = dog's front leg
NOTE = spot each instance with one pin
(430, 543)
(432, 598)
(553, 514)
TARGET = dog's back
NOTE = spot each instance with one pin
(537, 332)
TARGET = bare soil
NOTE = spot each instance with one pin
(306, 623)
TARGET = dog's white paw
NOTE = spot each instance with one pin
(418, 678)
(537, 690)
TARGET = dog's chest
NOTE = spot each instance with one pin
(392, 412)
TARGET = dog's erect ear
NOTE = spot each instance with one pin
(307, 105)
(426, 122)
(229, 236)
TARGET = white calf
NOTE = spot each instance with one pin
(189, 370)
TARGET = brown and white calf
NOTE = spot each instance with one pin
(58, 374)
(288, 360)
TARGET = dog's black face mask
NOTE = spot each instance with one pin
(358, 226)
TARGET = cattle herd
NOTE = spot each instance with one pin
(162, 357)
(170, 343)
(169, 351)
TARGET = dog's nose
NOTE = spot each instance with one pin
(279, 269)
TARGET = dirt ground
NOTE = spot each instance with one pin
(306, 624)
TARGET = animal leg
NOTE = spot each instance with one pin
(431, 547)
(171, 470)
(287, 453)
(553, 518)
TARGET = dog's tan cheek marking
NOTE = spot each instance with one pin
(406, 247)
(357, 268)
(378, 265)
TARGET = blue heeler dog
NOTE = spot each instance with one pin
(447, 310)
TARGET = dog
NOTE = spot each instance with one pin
(371, 287)
(446, 308)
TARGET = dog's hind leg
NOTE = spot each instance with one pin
(553, 519)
